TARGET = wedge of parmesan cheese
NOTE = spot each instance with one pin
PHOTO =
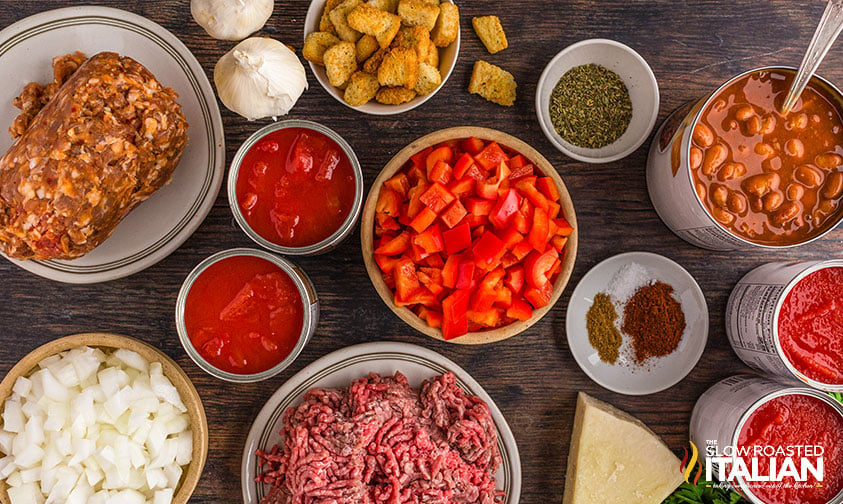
(615, 458)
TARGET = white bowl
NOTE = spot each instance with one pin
(447, 62)
(639, 80)
(655, 374)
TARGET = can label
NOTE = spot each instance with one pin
(751, 315)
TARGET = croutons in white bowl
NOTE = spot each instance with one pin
(370, 56)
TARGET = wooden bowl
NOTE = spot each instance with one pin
(397, 163)
(189, 395)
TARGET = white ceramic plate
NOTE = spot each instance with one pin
(162, 223)
(447, 62)
(657, 373)
(340, 368)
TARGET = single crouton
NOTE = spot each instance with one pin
(339, 15)
(374, 62)
(492, 83)
(340, 62)
(400, 67)
(315, 45)
(416, 38)
(380, 24)
(362, 88)
(325, 23)
(394, 95)
(447, 25)
(418, 13)
(429, 79)
(432, 56)
(490, 31)
(385, 5)
(366, 46)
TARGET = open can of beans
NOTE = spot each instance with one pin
(749, 429)
(787, 319)
(728, 171)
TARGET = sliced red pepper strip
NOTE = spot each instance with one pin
(431, 239)
(519, 310)
(394, 246)
(442, 153)
(537, 266)
(505, 209)
(491, 156)
(548, 188)
(540, 232)
(455, 314)
(389, 202)
(457, 239)
(488, 250)
(437, 197)
(472, 145)
(452, 215)
(424, 219)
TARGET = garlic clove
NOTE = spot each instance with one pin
(260, 77)
(231, 19)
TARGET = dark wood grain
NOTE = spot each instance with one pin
(692, 46)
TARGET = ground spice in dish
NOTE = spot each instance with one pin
(590, 106)
(654, 320)
(602, 333)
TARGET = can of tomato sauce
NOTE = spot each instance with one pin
(786, 318)
(728, 171)
(775, 443)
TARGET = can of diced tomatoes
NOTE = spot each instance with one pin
(724, 427)
(686, 203)
(786, 318)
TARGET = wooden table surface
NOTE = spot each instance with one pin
(692, 46)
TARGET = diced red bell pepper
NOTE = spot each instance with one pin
(548, 188)
(488, 188)
(563, 227)
(417, 254)
(399, 183)
(539, 296)
(523, 220)
(556, 268)
(478, 231)
(488, 250)
(509, 259)
(488, 318)
(415, 205)
(514, 278)
(389, 202)
(462, 165)
(520, 173)
(441, 172)
(457, 239)
(462, 186)
(476, 173)
(453, 214)
(503, 297)
(511, 237)
(421, 296)
(558, 243)
(475, 221)
(432, 279)
(424, 219)
(472, 145)
(442, 153)
(537, 266)
(437, 197)
(491, 156)
(395, 246)
(431, 239)
(406, 278)
(530, 192)
(435, 261)
(553, 209)
(465, 275)
(432, 317)
(455, 314)
(505, 208)
(517, 161)
(493, 278)
(539, 234)
(451, 270)
(522, 250)
(416, 174)
(386, 263)
(418, 159)
(479, 206)
(519, 310)
(384, 224)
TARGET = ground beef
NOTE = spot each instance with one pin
(381, 441)
(92, 145)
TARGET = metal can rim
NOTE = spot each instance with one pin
(337, 236)
(788, 390)
(309, 321)
(687, 148)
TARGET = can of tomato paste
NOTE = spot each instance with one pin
(685, 204)
(744, 421)
(786, 318)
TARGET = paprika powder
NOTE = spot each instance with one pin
(654, 320)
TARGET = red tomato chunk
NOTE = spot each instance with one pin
(470, 236)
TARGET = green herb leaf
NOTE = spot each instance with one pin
(704, 492)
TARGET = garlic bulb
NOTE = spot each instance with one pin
(259, 78)
(231, 19)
